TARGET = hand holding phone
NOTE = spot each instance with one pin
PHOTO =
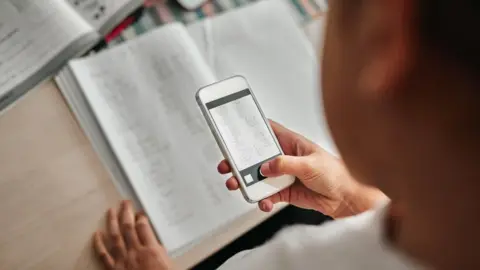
(243, 135)
(323, 184)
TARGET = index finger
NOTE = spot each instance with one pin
(291, 142)
(281, 131)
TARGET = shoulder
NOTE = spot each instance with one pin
(342, 234)
(350, 243)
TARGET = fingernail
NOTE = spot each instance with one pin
(142, 219)
(263, 206)
(265, 169)
(139, 214)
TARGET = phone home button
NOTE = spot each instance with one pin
(260, 176)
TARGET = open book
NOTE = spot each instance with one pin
(37, 37)
(136, 103)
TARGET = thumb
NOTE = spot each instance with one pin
(292, 165)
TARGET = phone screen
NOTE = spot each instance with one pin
(245, 133)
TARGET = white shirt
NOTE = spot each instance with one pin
(351, 243)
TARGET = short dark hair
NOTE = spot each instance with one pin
(452, 27)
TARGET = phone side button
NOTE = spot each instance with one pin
(248, 178)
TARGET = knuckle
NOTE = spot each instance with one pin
(132, 255)
(111, 215)
(127, 226)
(151, 252)
(142, 220)
(281, 197)
(277, 165)
(308, 164)
(142, 224)
(103, 255)
(117, 238)
(297, 143)
(118, 253)
(310, 170)
(107, 262)
(112, 220)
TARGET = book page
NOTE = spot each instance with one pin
(33, 33)
(143, 95)
(103, 15)
(263, 43)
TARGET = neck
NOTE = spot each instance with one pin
(439, 181)
(439, 203)
(443, 237)
(432, 129)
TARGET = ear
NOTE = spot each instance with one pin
(387, 38)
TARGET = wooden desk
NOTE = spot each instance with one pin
(54, 190)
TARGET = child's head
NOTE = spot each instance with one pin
(400, 86)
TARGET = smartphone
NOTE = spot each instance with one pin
(243, 134)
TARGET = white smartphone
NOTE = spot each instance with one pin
(243, 134)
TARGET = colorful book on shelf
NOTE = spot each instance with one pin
(160, 12)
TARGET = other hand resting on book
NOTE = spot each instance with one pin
(129, 242)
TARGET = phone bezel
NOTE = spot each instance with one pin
(258, 190)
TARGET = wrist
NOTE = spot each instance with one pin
(358, 198)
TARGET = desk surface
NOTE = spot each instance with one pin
(54, 190)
